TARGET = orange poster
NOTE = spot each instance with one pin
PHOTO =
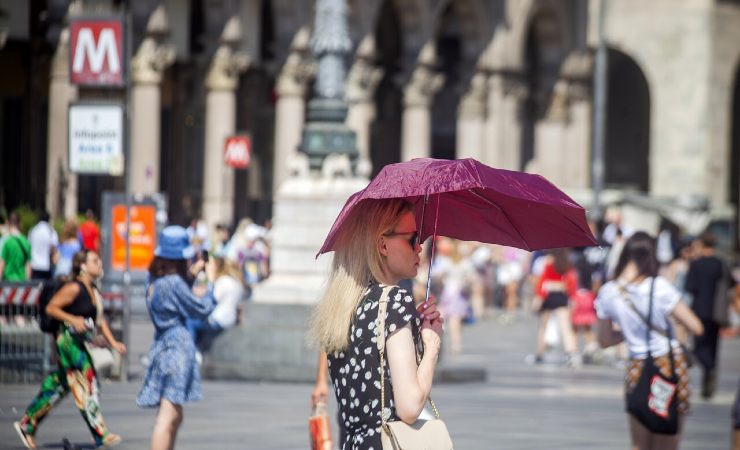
(142, 238)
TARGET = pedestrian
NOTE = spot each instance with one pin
(44, 240)
(509, 274)
(90, 232)
(454, 273)
(67, 248)
(583, 313)
(706, 278)
(198, 234)
(221, 239)
(555, 287)
(376, 248)
(15, 256)
(229, 292)
(79, 313)
(625, 302)
(173, 376)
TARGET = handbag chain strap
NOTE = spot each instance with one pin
(380, 337)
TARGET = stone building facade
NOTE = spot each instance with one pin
(509, 82)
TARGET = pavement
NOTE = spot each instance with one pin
(518, 406)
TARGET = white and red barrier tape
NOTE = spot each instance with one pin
(30, 295)
(20, 295)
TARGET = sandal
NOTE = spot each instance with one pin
(26, 438)
(111, 440)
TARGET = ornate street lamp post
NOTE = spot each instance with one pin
(325, 132)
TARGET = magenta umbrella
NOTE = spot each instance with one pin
(467, 200)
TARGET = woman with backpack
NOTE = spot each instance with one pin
(79, 312)
(643, 304)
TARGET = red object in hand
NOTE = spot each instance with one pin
(319, 430)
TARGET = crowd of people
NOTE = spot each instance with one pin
(43, 254)
(585, 298)
(197, 285)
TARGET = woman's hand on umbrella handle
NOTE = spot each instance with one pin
(428, 309)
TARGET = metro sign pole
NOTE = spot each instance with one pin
(100, 55)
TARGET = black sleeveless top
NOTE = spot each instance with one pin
(83, 304)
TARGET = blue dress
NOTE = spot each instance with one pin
(173, 372)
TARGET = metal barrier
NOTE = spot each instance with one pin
(26, 353)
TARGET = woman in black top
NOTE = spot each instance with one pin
(378, 247)
(79, 312)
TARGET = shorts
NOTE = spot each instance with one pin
(663, 363)
(555, 300)
(508, 273)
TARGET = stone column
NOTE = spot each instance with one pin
(578, 133)
(552, 155)
(471, 119)
(506, 91)
(362, 81)
(291, 105)
(147, 67)
(562, 152)
(221, 83)
(61, 184)
(417, 116)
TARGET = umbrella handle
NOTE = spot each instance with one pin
(431, 258)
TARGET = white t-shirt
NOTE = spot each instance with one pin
(42, 238)
(611, 304)
(228, 293)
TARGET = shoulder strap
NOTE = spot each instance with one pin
(380, 342)
(651, 326)
(19, 243)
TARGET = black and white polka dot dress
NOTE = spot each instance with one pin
(355, 372)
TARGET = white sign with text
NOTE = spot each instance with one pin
(96, 139)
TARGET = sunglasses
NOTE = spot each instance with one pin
(413, 239)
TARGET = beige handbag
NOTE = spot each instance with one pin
(398, 435)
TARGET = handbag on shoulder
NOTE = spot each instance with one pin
(654, 399)
(396, 434)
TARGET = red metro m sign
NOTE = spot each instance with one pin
(237, 151)
(96, 52)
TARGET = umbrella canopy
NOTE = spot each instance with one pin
(465, 199)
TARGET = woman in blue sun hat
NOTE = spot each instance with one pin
(173, 377)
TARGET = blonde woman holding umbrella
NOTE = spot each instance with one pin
(376, 248)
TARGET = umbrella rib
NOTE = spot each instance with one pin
(503, 213)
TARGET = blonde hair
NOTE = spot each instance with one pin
(228, 268)
(356, 261)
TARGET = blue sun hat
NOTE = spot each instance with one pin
(174, 244)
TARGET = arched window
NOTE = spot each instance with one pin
(627, 146)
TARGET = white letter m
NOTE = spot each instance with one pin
(106, 48)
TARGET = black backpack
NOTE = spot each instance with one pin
(46, 323)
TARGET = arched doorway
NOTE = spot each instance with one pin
(385, 130)
(627, 146)
(734, 177)
(183, 125)
(256, 117)
(544, 53)
(449, 45)
(24, 87)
